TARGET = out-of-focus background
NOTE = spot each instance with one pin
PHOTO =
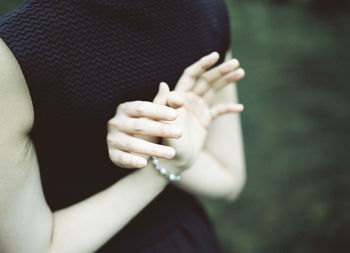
(296, 127)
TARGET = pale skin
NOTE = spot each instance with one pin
(199, 97)
(26, 222)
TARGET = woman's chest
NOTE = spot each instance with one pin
(86, 60)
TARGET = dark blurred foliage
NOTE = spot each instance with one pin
(318, 4)
(7, 5)
(296, 127)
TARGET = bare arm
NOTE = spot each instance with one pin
(22, 204)
(26, 222)
(219, 171)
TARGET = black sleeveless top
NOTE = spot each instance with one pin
(80, 59)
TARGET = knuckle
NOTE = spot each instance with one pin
(203, 65)
(115, 123)
(109, 140)
(117, 143)
(111, 123)
(137, 125)
(140, 108)
(115, 140)
(204, 78)
(121, 107)
(187, 71)
(110, 154)
(129, 145)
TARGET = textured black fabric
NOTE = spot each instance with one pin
(80, 60)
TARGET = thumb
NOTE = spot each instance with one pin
(176, 99)
(162, 96)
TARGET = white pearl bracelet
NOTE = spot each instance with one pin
(163, 171)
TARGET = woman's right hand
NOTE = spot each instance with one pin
(140, 118)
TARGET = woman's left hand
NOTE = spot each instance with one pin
(197, 87)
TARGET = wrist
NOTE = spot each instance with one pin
(165, 172)
(149, 173)
(169, 164)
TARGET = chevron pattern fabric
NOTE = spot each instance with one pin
(80, 60)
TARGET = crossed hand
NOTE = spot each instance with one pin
(181, 117)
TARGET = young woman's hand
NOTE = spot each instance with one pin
(198, 86)
(140, 118)
(135, 129)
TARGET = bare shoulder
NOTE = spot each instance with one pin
(16, 109)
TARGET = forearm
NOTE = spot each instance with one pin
(220, 170)
(28, 225)
(208, 177)
(87, 225)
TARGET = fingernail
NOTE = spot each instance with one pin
(230, 65)
(161, 85)
(170, 153)
(142, 162)
(171, 114)
(234, 60)
(214, 53)
(176, 132)
(165, 87)
(240, 71)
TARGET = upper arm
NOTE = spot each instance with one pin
(25, 219)
(16, 119)
(224, 139)
(16, 111)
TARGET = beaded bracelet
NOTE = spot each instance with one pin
(163, 171)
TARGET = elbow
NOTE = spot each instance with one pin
(52, 248)
(237, 186)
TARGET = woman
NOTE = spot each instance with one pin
(76, 83)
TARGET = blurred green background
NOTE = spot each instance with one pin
(296, 127)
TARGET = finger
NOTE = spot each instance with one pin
(229, 78)
(222, 82)
(126, 160)
(176, 99)
(129, 143)
(173, 98)
(149, 110)
(162, 95)
(220, 109)
(194, 71)
(213, 75)
(144, 126)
